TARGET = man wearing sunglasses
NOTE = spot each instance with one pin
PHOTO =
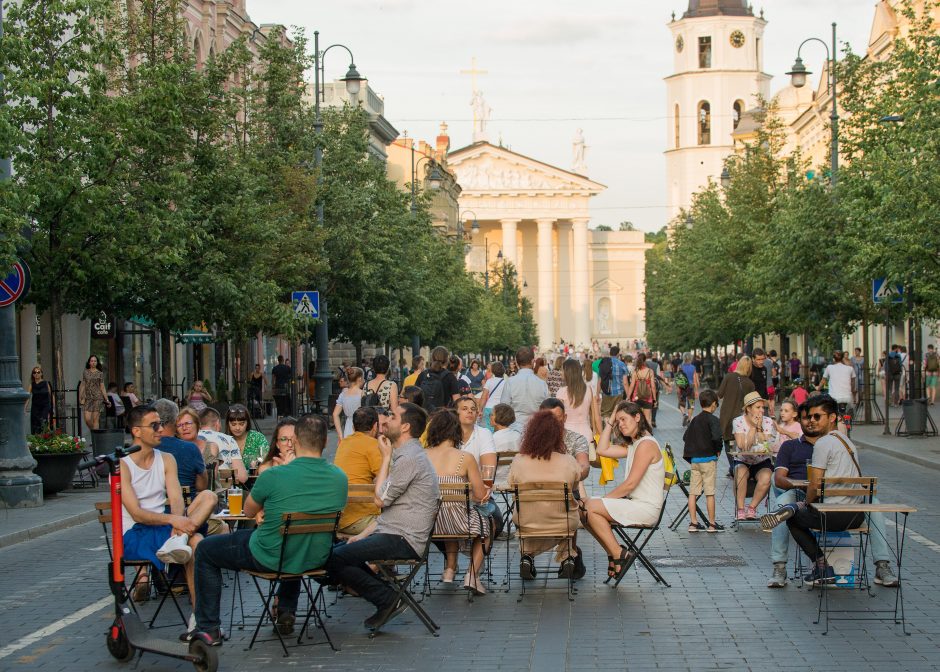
(836, 456)
(148, 481)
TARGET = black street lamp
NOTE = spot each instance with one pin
(798, 75)
(323, 375)
(434, 176)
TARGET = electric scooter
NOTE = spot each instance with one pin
(128, 634)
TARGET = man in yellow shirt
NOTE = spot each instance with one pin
(358, 456)
(417, 368)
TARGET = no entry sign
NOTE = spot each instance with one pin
(15, 285)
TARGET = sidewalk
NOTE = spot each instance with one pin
(923, 451)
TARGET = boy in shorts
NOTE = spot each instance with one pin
(703, 445)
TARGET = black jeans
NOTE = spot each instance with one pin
(808, 519)
(347, 565)
(229, 551)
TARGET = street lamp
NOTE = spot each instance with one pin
(434, 176)
(725, 178)
(353, 80)
(798, 75)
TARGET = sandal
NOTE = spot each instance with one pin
(527, 567)
(623, 563)
(141, 591)
(611, 572)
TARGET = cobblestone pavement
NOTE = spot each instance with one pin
(717, 615)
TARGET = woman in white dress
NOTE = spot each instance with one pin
(636, 501)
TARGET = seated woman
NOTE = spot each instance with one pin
(281, 450)
(198, 397)
(251, 443)
(636, 501)
(754, 433)
(455, 466)
(543, 458)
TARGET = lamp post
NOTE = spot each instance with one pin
(798, 75)
(324, 376)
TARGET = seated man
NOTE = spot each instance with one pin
(834, 455)
(359, 457)
(307, 484)
(148, 481)
(575, 443)
(221, 447)
(190, 467)
(407, 492)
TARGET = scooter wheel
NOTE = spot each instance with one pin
(118, 646)
(208, 656)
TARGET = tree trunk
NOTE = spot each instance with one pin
(58, 371)
(166, 369)
(358, 361)
(866, 379)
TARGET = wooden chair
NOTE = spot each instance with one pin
(561, 499)
(457, 493)
(293, 525)
(865, 487)
(166, 578)
(636, 537)
(359, 493)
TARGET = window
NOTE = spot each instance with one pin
(704, 123)
(705, 52)
(736, 112)
(677, 125)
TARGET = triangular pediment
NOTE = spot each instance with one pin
(884, 25)
(606, 285)
(482, 168)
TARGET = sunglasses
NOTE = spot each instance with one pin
(815, 417)
(155, 426)
(37, 373)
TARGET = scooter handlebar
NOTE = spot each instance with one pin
(110, 458)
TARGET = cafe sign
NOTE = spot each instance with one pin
(103, 326)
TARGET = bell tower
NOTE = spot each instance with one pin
(717, 60)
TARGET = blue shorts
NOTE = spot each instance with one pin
(142, 542)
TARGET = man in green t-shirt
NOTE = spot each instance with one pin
(308, 484)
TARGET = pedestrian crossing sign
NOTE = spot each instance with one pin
(306, 304)
(883, 291)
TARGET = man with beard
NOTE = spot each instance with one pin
(406, 492)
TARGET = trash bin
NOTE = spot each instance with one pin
(915, 416)
(104, 441)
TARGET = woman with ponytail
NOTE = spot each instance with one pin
(638, 499)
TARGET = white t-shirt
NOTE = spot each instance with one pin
(480, 443)
(228, 447)
(495, 387)
(840, 378)
(829, 453)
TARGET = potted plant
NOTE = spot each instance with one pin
(57, 455)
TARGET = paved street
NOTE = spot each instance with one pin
(717, 615)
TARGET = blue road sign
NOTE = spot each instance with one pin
(306, 304)
(883, 291)
(15, 285)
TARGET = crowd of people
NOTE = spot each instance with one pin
(442, 430)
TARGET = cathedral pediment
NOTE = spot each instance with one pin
(482, 168)
(606, 285)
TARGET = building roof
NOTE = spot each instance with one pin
(699, 8)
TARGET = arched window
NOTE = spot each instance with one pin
(736, 112)
(676, 122)
(704, 119)
(197, 53)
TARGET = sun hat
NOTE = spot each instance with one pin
(752, 398)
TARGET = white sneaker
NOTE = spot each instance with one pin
(176, 550)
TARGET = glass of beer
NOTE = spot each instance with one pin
(235, 502)
(489, 474)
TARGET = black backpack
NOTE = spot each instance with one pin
(432, 388)
(893, 366)
(374, 397)
(606, 371)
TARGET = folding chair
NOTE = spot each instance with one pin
(359, 493)
(503, 462)
(388, 571)
(104, 517)
(684, 486)
(636, 537)
(457, 493)
(292, 525)
(558, 493)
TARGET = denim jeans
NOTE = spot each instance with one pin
(229, 551)
(347, 565)
(780, 536)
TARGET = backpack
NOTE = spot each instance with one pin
(682, 380)
(463, 387)
(933, 362)
(606, 371)
(893, 365)
(374, 397)
(432, 388)
(643, 389)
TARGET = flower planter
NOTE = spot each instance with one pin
(56, 470)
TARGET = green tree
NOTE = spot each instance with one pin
(627, 226)
(602, 227)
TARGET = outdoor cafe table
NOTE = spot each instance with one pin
(900, 530)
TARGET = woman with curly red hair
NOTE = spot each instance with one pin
(542, 457)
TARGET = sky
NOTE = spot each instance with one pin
(553, 66)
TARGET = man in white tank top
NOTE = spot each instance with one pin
(148, 482)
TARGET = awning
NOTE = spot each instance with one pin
(197, 335)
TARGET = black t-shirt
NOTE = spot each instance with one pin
(451, 387)
(759, 378)
(281, 375)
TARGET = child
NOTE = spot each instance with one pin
(703, 445)
(799, 394)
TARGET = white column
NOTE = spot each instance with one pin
(579, 283)
(546, 284)
(509, 242)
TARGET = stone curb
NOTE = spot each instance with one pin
(47, 528)
(901, 455)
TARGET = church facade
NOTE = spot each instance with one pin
(585, 285)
